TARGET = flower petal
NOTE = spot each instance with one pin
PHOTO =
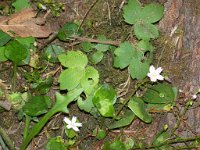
(74, 119)
(159, 70)
(75, 128)
(152, 69)
(160, 77)
(78, 124)
(66, 120)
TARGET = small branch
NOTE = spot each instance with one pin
(86, 39)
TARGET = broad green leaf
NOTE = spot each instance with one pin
(55, 144)
(138, 70)
(97, 57)
(160, 138)
(159, 107)
(4, 38)
(52, 51)
(160, 94)
(85, 105)
(99, 133)
(115, 145)
(27, 42)
(16, 52)
(37, 105)
(21, 4)
(145, 46)
(2, 54)
(123, 55)
(90, 80)
(104, 99)
(86, 46)
(136, 104)
(73, 59)
(132, 11)
(68, 30)
(152, 12)
(146, 31)
(71, 78)
(102, 47)
(126, 119)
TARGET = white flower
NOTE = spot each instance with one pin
(71, 124)
(194, 96)
(154, 74)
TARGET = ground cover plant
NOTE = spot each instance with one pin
(79, 83)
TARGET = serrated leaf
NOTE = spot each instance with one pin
(152, 12)
(73, 59)
(138, 70)
(4, 38)
(2, 54)
(15, 51)
(21, 4)
(52, 51)
(160, 94)
(68, 30)
(90, 80)
(136, 104)
(104, 99)
(71, 78)
(132, 11)
(146, 31)
(37, 105)
(97, 57)
(102, 47)
(123, 55)
(126, 119)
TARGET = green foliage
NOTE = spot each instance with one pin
(115, 145)
(16, 52)
(99, 133)
(68, 30)
(86, 46)
(51, 53)
(2, 54)
(21, 4)
(127, 55)
(97, 57)
(125, 120)
(104, 99)
(4, 38)
(142, 18)
(160, 94)
(136, 104)
(37, 105)
(55, 144)
(161, 138)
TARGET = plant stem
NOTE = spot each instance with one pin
(14, 78)
(26, 128)
(6, 139)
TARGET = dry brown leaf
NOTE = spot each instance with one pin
(24, 24)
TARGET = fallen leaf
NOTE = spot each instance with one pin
(24, 24)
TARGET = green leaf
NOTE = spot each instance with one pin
(85, 105)
(138, 69)
(16, 52)
(159, 107)
(136, 104)
(87, 46)
(55, 144)
(2, 54)
(160, 138)
(160, 94)
(102, 47)
(52, 51)
(37, 105)
(68, 30)
(97, 57)
(146, 31)
(104, 99)
(132, 11)
(145, 46)
(20, 4)
(115, 145)
(90, 80)
(99, 133)
(123, 55)
(27, 41)
(73, 59)
(152, 13)
(126, 119)
(4, 38)
(70, 78)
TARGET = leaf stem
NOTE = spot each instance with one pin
(26, 128)
(14, 78)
